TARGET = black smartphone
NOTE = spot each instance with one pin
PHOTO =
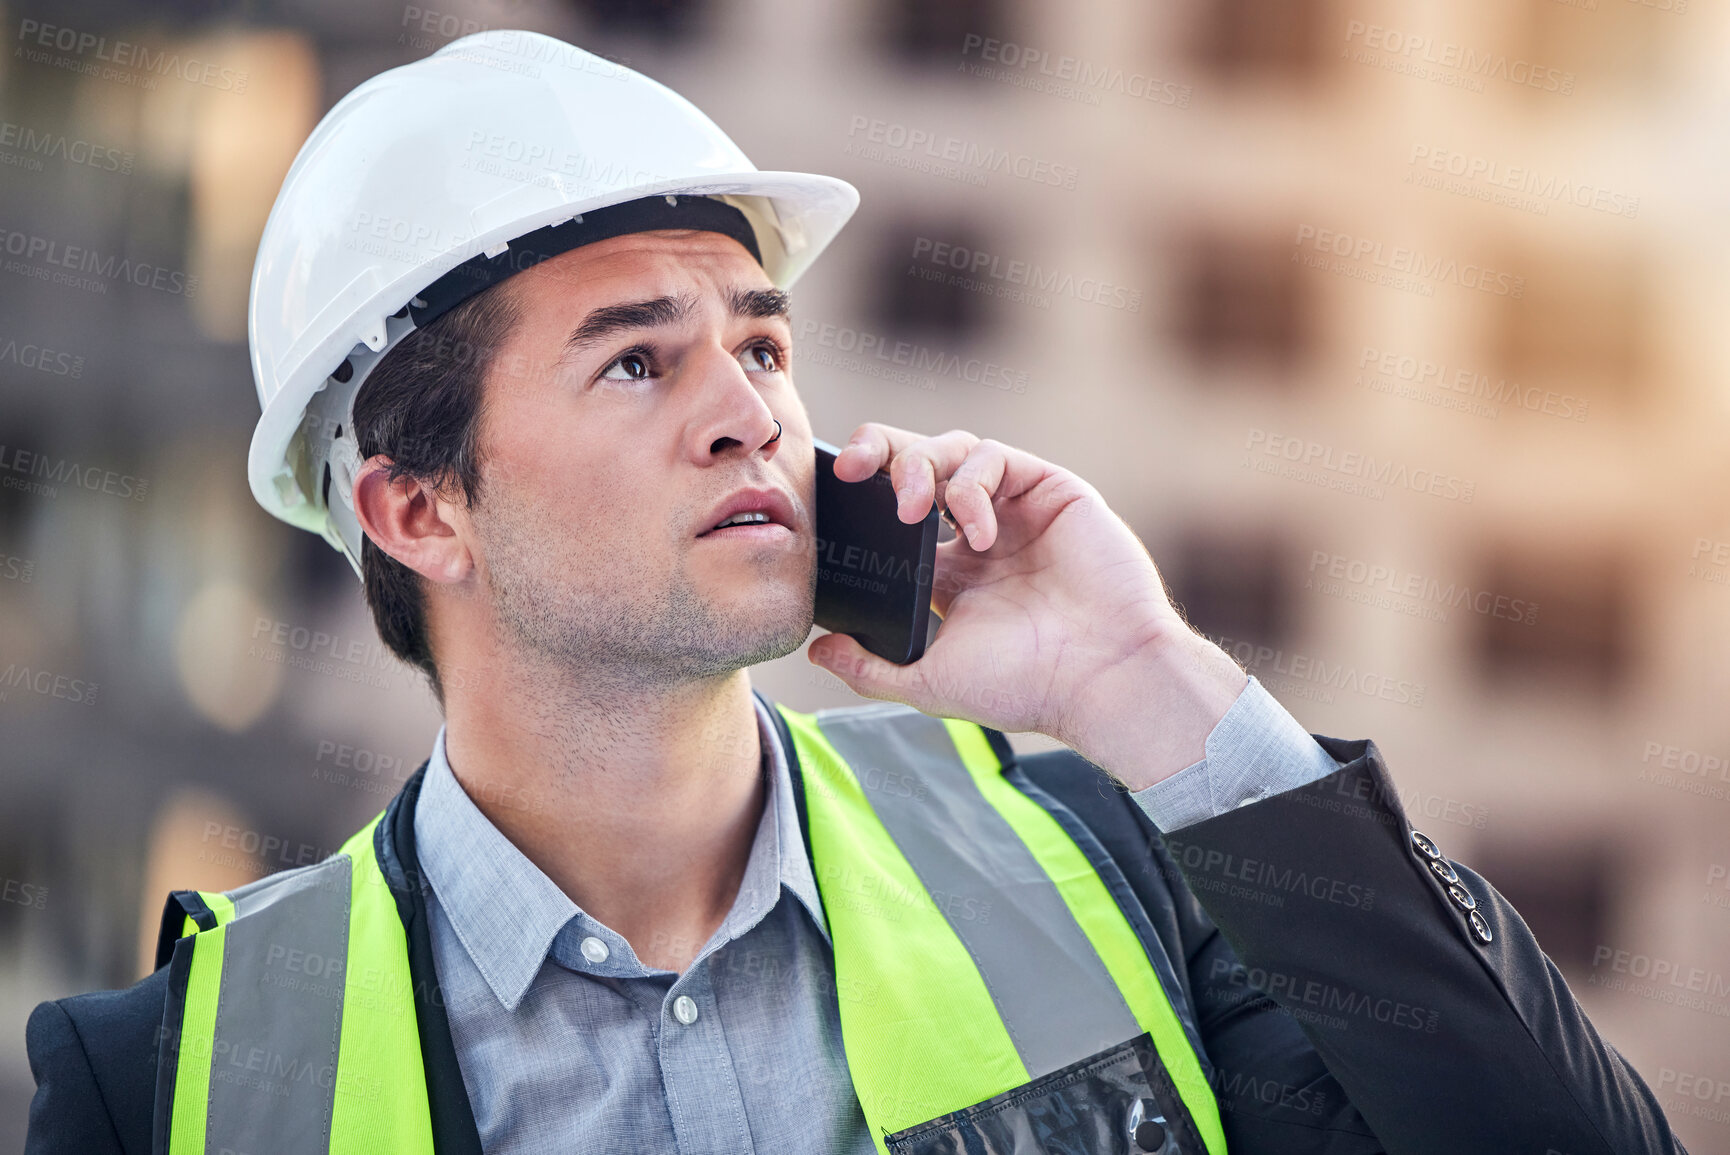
(873, 570)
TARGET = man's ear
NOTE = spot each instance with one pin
(408, 520)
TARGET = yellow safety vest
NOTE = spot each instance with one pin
(992, 993)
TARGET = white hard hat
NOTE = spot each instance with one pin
(493, 153)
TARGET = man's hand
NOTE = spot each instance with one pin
(1054, 617)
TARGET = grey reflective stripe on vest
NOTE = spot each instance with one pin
(1055, 996)
(279, 1013)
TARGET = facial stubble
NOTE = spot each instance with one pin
(614, 615)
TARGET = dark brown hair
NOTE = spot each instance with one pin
(421, 407)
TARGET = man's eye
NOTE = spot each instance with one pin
(627, 367)
(762, 357)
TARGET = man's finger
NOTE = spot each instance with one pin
(992, 471)
(920, 469)
(918, 464)
(870, 448)
(970, 489)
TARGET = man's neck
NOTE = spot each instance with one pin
(640, 804)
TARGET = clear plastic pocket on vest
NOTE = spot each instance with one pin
(1118, 1102)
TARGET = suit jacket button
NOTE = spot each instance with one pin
(1425, 845)
(1462, 897)
(1443, 870)
(1480, 928)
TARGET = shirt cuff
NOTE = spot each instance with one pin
(1256, 751)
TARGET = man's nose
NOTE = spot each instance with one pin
(734, 416)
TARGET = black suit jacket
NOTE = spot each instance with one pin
(1344, 1005)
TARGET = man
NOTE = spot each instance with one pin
(629, 905)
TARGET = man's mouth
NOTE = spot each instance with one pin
(755, 517)
(753, 513)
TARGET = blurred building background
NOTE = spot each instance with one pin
(1394, 329)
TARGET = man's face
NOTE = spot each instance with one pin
(631, 401)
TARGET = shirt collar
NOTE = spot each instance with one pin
(507, 912)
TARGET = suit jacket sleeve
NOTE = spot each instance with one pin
(1320, 903)
(94, 1060)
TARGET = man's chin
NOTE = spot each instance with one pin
(769, 629)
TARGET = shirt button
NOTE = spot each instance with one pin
(685, 1009)
(595, 950)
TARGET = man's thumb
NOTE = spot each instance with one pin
(864, 672)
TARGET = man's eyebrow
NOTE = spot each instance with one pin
(758, 302)
(610, 319)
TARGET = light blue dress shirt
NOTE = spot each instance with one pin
(1255, 751)
(568, 1042)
